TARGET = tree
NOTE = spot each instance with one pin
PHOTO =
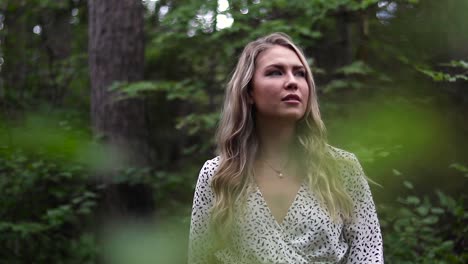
(116, 54)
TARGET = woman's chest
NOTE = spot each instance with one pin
(307, 233)
(278, 197)
(305, 217)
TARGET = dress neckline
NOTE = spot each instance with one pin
(288, 212)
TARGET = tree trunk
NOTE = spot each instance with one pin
(56, 41)
(15, 66)
(116, 53)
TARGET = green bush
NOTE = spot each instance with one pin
(422, 230)
(45, 208)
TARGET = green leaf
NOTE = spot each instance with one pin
(437, 210)
(439, 76)
(412, 200)
(459, 167)
(355, 68)
(453, 63)
(430, 220)
(408, 185)
(422, 210)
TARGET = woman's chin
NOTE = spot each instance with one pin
(291, 116)
(295, 114)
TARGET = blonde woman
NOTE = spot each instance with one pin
(277, 192)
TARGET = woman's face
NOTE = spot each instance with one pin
(279, 85)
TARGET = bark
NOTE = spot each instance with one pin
(363, 45)
(56, 41)
(116, 53)
(346, 31)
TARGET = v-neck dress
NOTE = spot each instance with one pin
(306, 235)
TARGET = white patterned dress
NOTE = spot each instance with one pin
(306, 235)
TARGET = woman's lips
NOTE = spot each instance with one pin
(291, 98)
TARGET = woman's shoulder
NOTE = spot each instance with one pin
(212, 164)
(347, 162)
(341, 154)
(209, 168)
(349, 167)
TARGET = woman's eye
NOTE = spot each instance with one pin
(273, 73)
(301, 73)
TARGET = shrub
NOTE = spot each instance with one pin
(44, 209)
(422, 230)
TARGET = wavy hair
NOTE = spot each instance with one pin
(238, 144)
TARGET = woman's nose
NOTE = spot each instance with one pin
(291, 81)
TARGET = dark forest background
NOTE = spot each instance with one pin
(108, 110)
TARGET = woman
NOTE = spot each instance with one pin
(277, 193)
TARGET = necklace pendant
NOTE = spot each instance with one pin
(280, 174)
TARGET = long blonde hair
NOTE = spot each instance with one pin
(238, 143)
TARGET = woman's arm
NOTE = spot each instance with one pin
(363, 232)
(200, 248)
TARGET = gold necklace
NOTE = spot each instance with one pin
(278, 172)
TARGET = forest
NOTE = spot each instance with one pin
(108, 110)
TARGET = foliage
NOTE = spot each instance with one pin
(425, 231)
(186, 90)
(442, 76)
(459, 167)
(44, 207)
(49, 65)
(59, 197)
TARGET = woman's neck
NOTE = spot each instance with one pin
(275, 140)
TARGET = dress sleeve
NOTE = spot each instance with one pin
(362, 233)
(200, 249)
